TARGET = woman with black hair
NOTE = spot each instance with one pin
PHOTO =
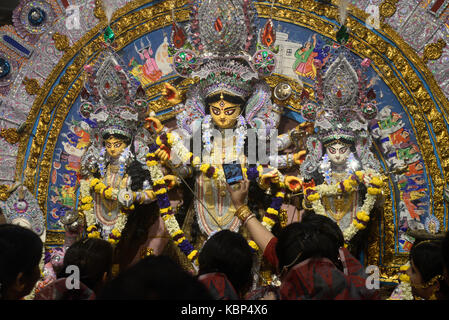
(309, 256)
(155, 278)
(20, 254)
(445, 253)
(225, 265)
(143, 234)
(86, 268)
(426, 271)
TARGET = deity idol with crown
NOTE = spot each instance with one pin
(231, 96)
(114, 177)
(340, 174)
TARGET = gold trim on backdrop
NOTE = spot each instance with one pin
(62, 42)
(10, 135)
(31, 86)
(433, 51)
(129, 24)
(388, 8)
(4, 192)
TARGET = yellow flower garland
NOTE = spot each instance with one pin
(86, 208)
(170, 221)
(374, 191)
(348, 185)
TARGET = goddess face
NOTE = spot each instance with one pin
(338, 153)
(114, 147)
(224, 113)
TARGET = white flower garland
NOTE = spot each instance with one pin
(178, 148)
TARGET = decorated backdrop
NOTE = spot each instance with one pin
(44, 130)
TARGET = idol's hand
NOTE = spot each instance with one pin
(367, 178)
(299, 157)
(171, 181)
(171, 94)
(294, 184)
(153, 124)
(162, 153)
(239, 194)
(267, 178)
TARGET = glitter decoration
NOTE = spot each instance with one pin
(308, 112)
(5, 68)
(33, 18)
(16, 44)
(36, 17)
(268, 34)
(369, 111)
(264, 62)
(8, 69)
(185, 62)
(21, 205)
(223, 27)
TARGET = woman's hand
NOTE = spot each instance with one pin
(293, 183)
(171, 94)
(239, 194)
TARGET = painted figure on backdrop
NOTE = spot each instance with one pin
(309, 58)
(149, 72)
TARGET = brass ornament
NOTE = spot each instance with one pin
(293, 100)
(282, 91)
(10, 135)
(146, 252)
(388, 8)
(62, 42)
(283, 218)
(32, 86)
(433, 51)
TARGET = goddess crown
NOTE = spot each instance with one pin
(111, 99)
(224, 55)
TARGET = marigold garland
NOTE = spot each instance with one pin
(272, 213)
(87, 209)
(404, 290)
(165, 209)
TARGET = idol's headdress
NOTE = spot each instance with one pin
(112, 103)
(111, 99)
(224, 54)
(22, 208)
